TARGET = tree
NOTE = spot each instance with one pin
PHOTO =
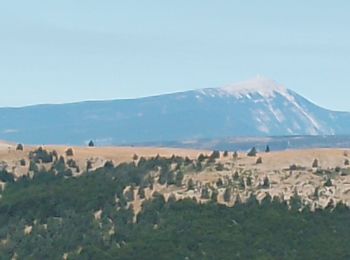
(227, 195)
(109, 165)
(249, 181)
(266, 183)
(22, 162)
(91, 144)
(201, 158)
(235, 155)
(69, 152)
(179, 178)
(88, 165)
(219, 183)
(267, 150)
(328, 183)
(190, 185)
(19, 147)
(142, 193)
(205, 193)
(259, 161)
(253, 152)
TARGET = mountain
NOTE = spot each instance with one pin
(258, 107)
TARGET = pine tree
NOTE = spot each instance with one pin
(253, 152)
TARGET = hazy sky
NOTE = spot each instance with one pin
(70, 50)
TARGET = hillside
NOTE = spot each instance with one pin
(106, 203)
(259, 107)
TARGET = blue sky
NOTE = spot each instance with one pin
(63, 51)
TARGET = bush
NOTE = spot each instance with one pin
(135, 157)
(22, 162)
(219, 167)
(346, 163)
(69, 152)
(91, 144)
(315, 163)
(190, 185)
(328, 183)
(41, 155)
(235, 155)
(225, 154)
(259, 161)
(227, 195)
(266, 183)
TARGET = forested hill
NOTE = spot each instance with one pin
(53, 214)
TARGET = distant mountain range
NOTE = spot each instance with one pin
(259, 107)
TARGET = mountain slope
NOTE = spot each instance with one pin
(258, 107)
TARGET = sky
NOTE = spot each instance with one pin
(67, 51)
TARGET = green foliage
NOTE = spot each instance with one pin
(253, 152)
(19, 147)
(61, 209)
(227, 195)
(328, 183)
(22, 162)
(69, 152)
(259, 160)
(41, 156)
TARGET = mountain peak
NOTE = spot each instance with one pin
(261, 85)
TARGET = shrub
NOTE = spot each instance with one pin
(201, 158)
(225, 154)
(215, 155)
(347, 162)
(249, 181)
(69, 152)
(266, 183)
(88, 165)
(259, 161)
(135, 157)
(315, 163)
(190, 185)
(108, 164)
(91, 144)
(41, 155)
(219, 167)
(235, 155)
(227, 195)
(22, 162)
(328, 183)
(205, 193)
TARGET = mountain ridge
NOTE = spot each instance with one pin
(258, 107)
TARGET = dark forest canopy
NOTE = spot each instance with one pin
(60, 209)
